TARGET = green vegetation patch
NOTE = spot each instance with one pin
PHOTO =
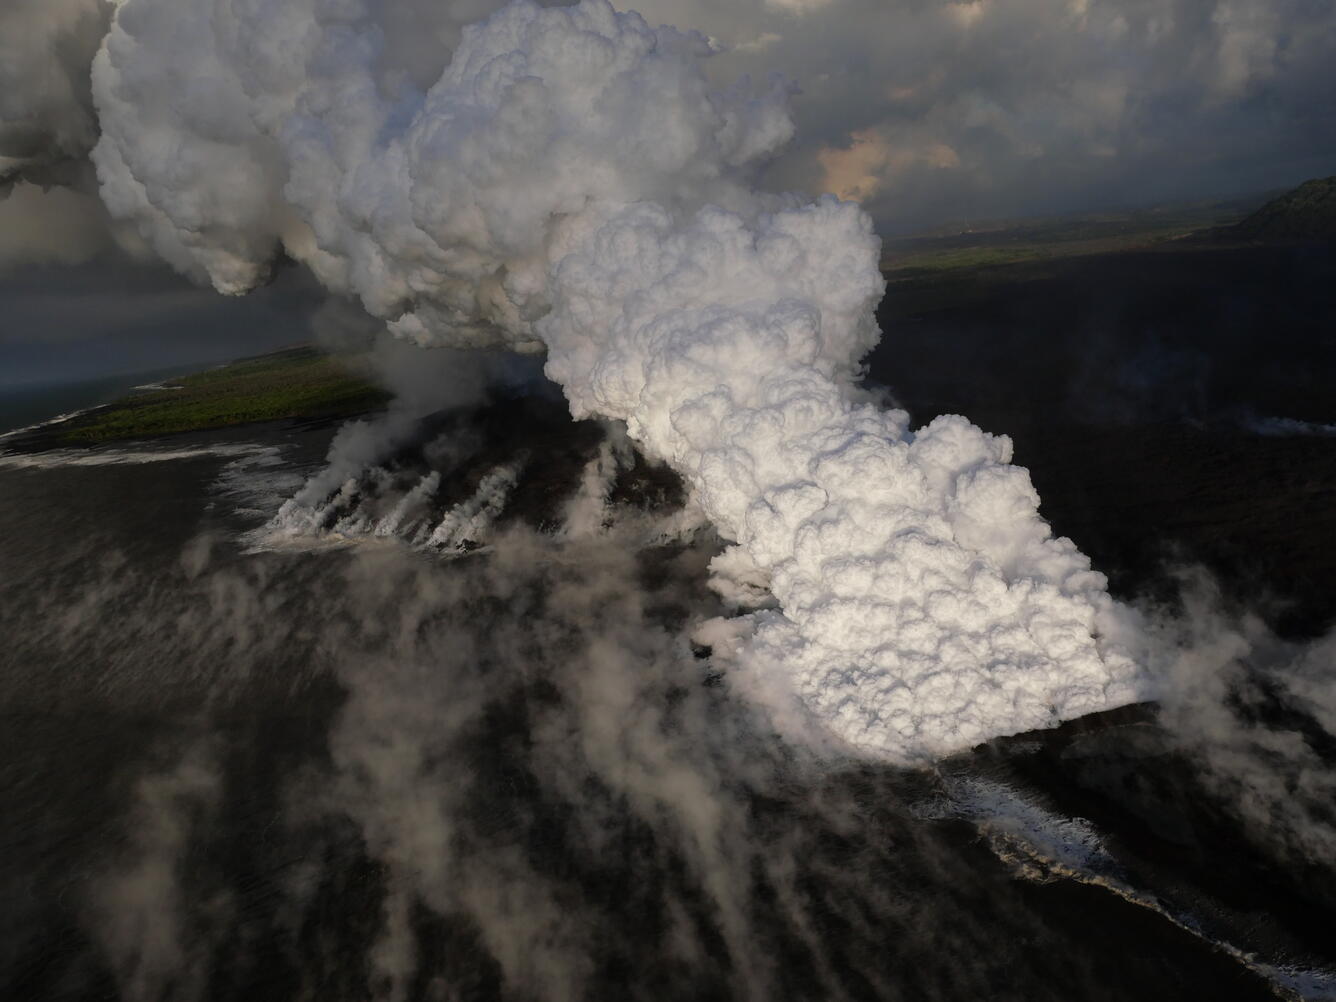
(294, 383)
(1306, 213)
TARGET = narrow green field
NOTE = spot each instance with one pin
(296, 382)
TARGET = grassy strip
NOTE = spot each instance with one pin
(297, 382)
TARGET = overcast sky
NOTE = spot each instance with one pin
(107, 318)
(930, 113)
(933, 112)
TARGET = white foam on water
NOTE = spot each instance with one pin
(1039, 844)
(57, 458)
(257, 484)
(1284, 427)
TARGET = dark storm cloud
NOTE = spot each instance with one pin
(938, 111)
(105, 317)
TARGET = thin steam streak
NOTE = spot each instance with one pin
(468, 522)
(570, 181)
(587, 512)
(141, 904)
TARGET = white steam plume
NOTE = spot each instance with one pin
(573, 182)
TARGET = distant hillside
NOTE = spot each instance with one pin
(1306, 213)
(990, 245)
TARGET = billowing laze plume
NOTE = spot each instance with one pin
(569, 180)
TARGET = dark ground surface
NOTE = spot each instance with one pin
(136, 866)
(214, 784)
(1128, 383)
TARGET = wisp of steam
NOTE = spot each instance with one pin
(569, 180)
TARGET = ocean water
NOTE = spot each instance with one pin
(25, 405)
(240, 762)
